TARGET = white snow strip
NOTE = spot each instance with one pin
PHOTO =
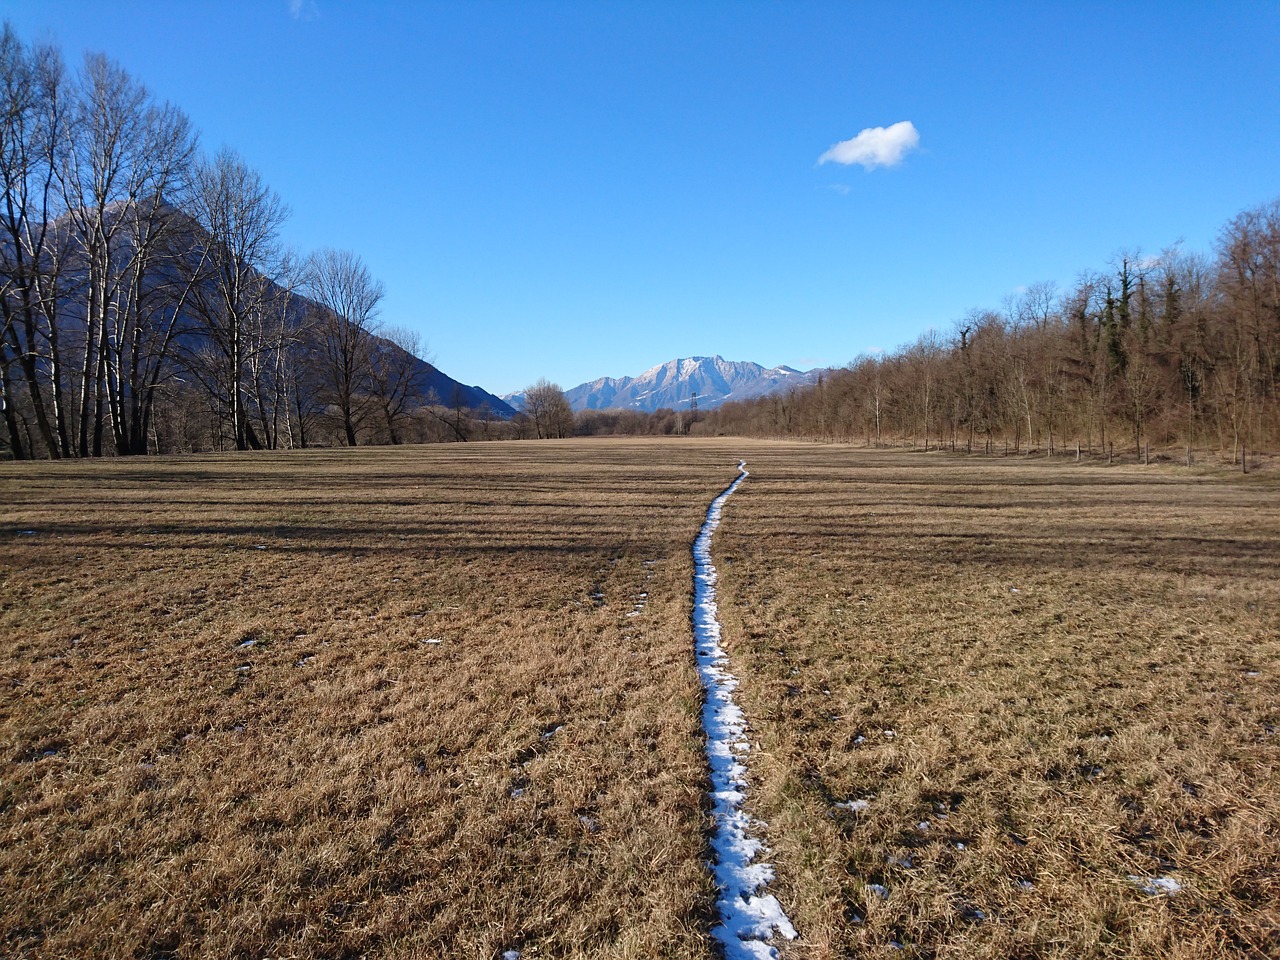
(749, 917)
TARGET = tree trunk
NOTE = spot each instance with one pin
(31, 368)
(87, 388)
(10, 413)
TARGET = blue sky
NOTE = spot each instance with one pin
(574, 190)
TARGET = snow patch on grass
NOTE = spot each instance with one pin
(1156, 886)
(854, 806)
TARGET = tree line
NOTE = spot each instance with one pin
(545, 414)
(148, 303)
(1178, 352)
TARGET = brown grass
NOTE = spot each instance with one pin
(344, 785)
(1043, 679)
(1080, 666)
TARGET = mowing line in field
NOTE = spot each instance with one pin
(748, 916)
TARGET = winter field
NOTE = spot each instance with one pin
(444, 701)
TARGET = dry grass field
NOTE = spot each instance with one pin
(412, 702)
(442, 702)
(995, 699)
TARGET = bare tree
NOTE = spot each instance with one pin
(127, 160)
(31, 117)
(926, 357)
(866, 382)
(274, 333)
(240, 217)
(1249, 323)
(546, 406)
(397, 376)
(347, 298)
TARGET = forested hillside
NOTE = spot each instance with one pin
(1179, 351)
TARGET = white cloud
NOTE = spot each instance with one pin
(875, 146)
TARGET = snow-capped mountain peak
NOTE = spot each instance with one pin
(675, 383)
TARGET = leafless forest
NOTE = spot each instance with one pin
(148, 304)
(1175, 352)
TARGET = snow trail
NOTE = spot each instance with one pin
(748, 916)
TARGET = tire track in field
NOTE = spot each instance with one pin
(749, 917)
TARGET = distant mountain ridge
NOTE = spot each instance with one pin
(714, 380)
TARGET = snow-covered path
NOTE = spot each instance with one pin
(749, 917)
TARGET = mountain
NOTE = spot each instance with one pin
(673, 384)
(450, 392)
